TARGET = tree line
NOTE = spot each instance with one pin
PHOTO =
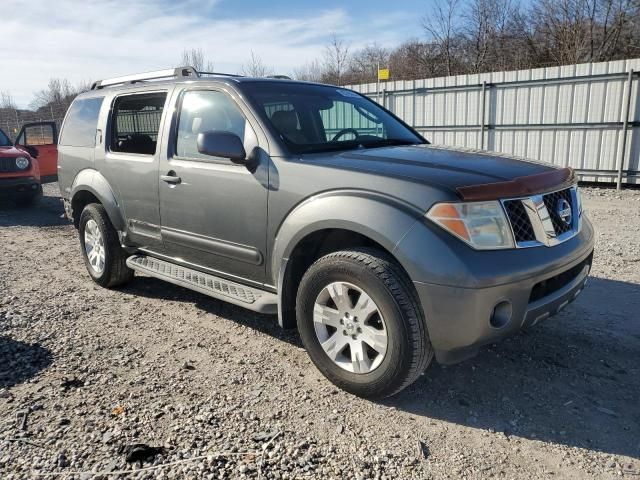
(475, 36)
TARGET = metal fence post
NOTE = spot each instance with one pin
(413, 108)
(625, 128)
(482, 114)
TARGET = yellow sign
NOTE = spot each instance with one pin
(383, 74)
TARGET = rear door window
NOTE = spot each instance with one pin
(81, 122)
(135, 123)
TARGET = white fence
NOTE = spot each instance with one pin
(584, 116)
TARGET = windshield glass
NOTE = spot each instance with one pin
(4, 140)
(318, 118)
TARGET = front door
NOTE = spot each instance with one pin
(213, 212)
(41, 140)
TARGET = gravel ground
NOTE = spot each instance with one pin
(224, 393)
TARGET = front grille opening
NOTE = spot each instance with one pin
(522, 228)
(551, 202)
(8, 165)
(553, 284)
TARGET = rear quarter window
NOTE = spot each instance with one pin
(79, 129)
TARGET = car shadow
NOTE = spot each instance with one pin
(47, 212)
(20, 361)
(151, 287)
(573, 380)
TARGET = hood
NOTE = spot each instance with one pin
(13, 152)
(449, 168)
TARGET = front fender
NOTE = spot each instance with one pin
(381, 218)
(92, 181)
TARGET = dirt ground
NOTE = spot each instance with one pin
(224, 393)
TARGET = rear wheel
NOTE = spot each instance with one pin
(361, 323)
(103, 256)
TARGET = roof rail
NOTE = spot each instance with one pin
(220, 74)
(180, 72)
(279, 77)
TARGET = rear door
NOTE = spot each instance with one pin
(130, 162)
(41, 139)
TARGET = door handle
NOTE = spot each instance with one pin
(171, 177)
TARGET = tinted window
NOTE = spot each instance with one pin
(136, 122)
(81, 122)
(4, 140)
(316, 118)
(206, 111)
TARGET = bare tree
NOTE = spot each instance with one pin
(487, 28)
(6, 101)
(255, 67)
(309, 72)
(442, 24)
(365, 62)
(58, 95)
(195, 57)
(336, 58)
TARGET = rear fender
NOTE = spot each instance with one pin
(92, 181)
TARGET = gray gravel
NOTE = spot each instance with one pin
(86, 372)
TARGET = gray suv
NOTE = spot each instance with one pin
(313, 202)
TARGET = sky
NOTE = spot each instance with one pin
(88, 40)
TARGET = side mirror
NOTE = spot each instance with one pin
(222, 144)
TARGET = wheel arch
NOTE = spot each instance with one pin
(368, 221)
(90, 186)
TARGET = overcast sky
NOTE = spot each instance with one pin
(89, 40)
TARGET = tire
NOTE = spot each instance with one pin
(398, 316)
(94, 225)
(29, 200)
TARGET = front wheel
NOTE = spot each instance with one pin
(361, 323)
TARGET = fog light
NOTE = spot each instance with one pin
(501, 314)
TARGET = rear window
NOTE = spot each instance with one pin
(80, 125)
(136, 122)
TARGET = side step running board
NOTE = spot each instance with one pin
(241, 295)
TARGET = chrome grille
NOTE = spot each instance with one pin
(8, 165)
(536, 220)
(520, 223)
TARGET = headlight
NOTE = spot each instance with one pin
(22, 163)
(483, 225)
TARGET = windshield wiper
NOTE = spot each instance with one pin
(388, 142)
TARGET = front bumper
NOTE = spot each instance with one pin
(18, 187)
(511, 291)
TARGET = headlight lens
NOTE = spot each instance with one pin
(22, 163)
(482, 225)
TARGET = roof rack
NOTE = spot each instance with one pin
(180, 72)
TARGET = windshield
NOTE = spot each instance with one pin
(4, 140)
(318, 118)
